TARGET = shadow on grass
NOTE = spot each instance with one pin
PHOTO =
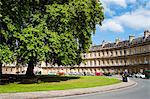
(22, 79)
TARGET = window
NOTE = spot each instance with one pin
(134, 50)
(107, 61)
(99, 62)
(144, 49)
(140, 50)
(116, 53)
(90, 54)
(121, 61)
(116, 61)
(107, 53)
(135, 61)
(125, 52)
(95, 62)
(103, 62)
(91, 63)
(112, 61)
(11, 69)
(130, 52)
(84, 55)
(95, 54)
(99, 54)
(103, 53)
(121, 52)
(125, 61)
(146, 60)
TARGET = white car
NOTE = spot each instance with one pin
(139, 75)
(50, 73)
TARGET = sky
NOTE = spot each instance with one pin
(123, 18)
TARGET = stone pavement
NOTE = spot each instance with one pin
(62, 93)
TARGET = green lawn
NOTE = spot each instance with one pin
(83, 82)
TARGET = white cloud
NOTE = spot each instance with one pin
(139, 19)
(111, 25)
(121, 3)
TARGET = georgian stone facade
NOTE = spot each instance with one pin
(132, 55)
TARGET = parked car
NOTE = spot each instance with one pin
(131, 75)
(139, 75)
(50, 73)
(147, 74)
(60, 73)
(107, 74)
(90, 74)
(99, 74)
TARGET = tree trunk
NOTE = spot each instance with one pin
(30, 69)
(0, 72)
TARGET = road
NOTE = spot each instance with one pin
(140, 91)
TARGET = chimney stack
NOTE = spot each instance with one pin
(103, 43)
(117, 40)
(131, 37)
(146, 33)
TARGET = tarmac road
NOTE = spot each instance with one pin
(140, 91)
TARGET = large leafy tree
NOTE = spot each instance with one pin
(54, 31)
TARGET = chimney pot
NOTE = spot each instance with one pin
(131, 37)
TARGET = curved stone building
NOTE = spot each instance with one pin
(132, 55)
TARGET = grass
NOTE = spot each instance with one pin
(83, 82)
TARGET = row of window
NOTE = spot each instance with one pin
(135, 50)
(120, 61)
(11, 69)
(105, 62)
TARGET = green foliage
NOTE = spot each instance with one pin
(5, 54)
(55, 31)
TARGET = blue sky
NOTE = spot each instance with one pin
(123, 18)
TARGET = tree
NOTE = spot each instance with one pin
(5, 51)
(54, 31)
